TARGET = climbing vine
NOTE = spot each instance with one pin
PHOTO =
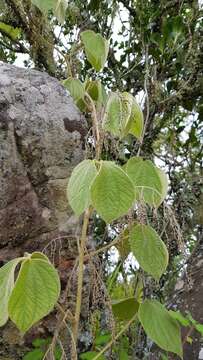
(112, 191)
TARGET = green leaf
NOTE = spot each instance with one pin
(41, 342)
(90, 355)
(199, 327)
(60, 10)
(117, 114)
(9, 30)
(6, 287)
(112, 192)
(96, 48)
(57, 6)
(102, 339)
(39, 255)
(75, 87)
(149, 250)
(125, 309)
(160, 326)
(149, 181)
(113, 115)
(36, 354)
(44, 5)
(35, 293)
(179, 317)
(123, 115)
(79, 185)
(97, 92)
(136, 121)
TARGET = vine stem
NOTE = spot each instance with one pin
(95, 126)
(80, 276)
(115, 338)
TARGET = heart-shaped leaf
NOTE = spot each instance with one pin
(149, 250)
(112, 192)
(57, 6)
(6, 287)
(96, 48)
(149, 181)
(35, 293)
(136, 121)
(79, 185)
(160, 326)
(75, 87)
(123, 115)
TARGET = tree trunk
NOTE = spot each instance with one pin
(188, 296)
(42, 137)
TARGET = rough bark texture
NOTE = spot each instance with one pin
(41, 139)
(188, 296)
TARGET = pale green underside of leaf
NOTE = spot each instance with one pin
(6, 287)
(96, 48)
(149, 250)
(136, 121)
(149, 181)
(35, 293)
(39, 255)
(112, 192)
(79, 185)
(125, 309)
(75, 87)
(160, 326)
(57, 6)
(123, 115)
(112, 114)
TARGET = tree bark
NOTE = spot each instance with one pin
(188, 297)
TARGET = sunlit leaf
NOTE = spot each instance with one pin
(123, 115)
(79, 185)
(179, 317)
(57, 6)
(149, 250)
(160, 326)
(35, 293)
(149, 181)
(136, 120)
(6, 287)
(117, 114)
(96, 48)
(39, 255)
(112, 192)
(75, 87)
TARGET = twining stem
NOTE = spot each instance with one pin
(126, 326)
(95, 124)
(80, 274)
